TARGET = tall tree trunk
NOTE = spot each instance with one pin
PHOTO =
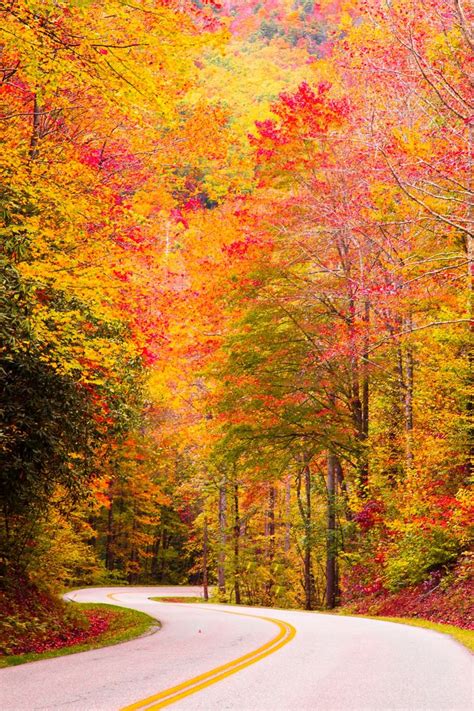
(470, 280)
(270, 536)
(271, 523)
(222, 537)
(287, 543)
(360, 416)
(341, 483)
(331, 545)
(365, 398)
(133, 557)
(306, 515)
(308, 540)
(109, 539)
(362, 474)
(236, 534)
(155, 554)
(405, 373)
(408, 400)
(164, 546)
(357, 404)
(205, 547)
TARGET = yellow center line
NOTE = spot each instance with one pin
(286, 632)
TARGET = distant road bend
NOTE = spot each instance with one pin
(219, 657)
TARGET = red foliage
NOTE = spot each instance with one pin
(434, 600)
(97, 624)
(179, 218)
(35, 621)
(304, 114)
(370, 515)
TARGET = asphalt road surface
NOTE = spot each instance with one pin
(218, 657)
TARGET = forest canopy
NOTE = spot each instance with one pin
(236, 293)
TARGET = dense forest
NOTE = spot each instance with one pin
(236, 294)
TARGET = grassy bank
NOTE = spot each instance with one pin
(121, 625)
(178, 599)
(465, 637)
(461, 635)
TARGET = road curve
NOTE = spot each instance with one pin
(219, 657)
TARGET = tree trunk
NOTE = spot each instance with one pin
(109, 557)
(365, 399)
(470, 280)
(287, 543)
(164, 546)
(33, 152)
(341, 482)
(306, 515)
(205, 546)
(270, 536)
(133, 557)
(222, 537)
(236, 534)
(359, 408)
(331, 550)
(408, 400)
(155, 554)
(271, 523)
(308, 573)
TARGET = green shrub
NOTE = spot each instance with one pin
(416, 554)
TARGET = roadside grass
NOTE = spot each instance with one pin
(178, 599)
(125, 625)
(463, 636)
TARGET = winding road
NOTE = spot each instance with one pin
(219, 657)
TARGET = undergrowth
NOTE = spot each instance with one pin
(35, 625)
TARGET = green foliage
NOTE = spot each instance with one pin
(48, 439)
(62, 555)
(416, 554)
(47, 422)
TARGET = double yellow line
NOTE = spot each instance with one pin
(286, 632)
